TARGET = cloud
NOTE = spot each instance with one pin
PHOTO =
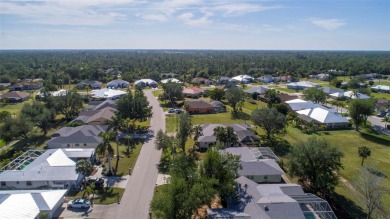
(189, 18)
(154, 17)
(327, 24)
(242, 8)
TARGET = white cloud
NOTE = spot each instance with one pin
(327, 24)
(242, 8)
(154, 17)
(189, 19)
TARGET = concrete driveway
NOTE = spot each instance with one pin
(98, 211)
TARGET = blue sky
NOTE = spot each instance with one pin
(195, 24)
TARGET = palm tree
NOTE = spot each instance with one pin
(115, 124)
(220, 134)
(386, 119)
(231, 137)
(364, 152)
(106, 147)
(197, 130)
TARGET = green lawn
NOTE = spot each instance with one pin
(382, 82)
(156, 93)
(127, 161)
(170, 123)
(286, 90)
(380, 95)
(348, 142)
(218, 118)
(2, 143)
(250, 106)
(105, 196)
(14, 108)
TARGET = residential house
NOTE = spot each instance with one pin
(107, 94)
(84, 136)
(171, 80)
(322, 76)
(369, 76)
(118, 83)
(57, 93)
(381, 89)
(199, 107)
(193, 92)
(54, 168)
(223, 80)
(287, 78)
(348, 95)
(95, 117)
(4, 85)
(320, 116)
(98, 105)
(244, 134)
(266, 79)
(202, 81)
(382, 105)
(30, 204)
(25, 85)
(330, 90)
(92, 84)
(218, 106)
(286, 97)
(256, 89)
(272, 201)
(245, 79)
(255, 166)
(15, 97)
(146, 83)
(302, 85)
(299, 104)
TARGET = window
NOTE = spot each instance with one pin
(17, 182)
(85, 144)
(77, 145)
(3, 184)
(29, 183)
(251, 177)
(265, 177)
(68, 145)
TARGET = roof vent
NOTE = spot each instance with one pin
(266, 208)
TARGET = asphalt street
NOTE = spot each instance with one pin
(139, 190)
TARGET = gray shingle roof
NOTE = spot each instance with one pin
(256, 89)
(79, 135)
(260, 168)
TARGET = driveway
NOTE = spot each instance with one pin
(98, 211)
(140, 188)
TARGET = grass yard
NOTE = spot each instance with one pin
(219, 118)
(104, 197)
(156, 93)
(126, 162)
(286, 90)
(170, 123)
(380, 95)
(250, 106)
(2, 143)
(14, 108)
(348, 142)
(382, 82)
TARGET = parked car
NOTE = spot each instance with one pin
(178, 111)
(382, 114)
(171, 110)
(79, 203)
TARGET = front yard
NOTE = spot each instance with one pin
(104, 196)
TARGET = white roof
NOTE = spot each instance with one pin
(107, 93)
(173, 80)
(323, 116)
(350, 94)
(149, 81)
(303, 84)
(59, 159)
(25, 204)
(242, 77)
(55, 93)
(299, 104)
(381, 87)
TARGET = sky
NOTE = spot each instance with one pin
(196, 24)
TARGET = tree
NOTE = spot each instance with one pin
(115, 124)
(184, 129)
(354, 83)
(235, 96)
(84, 167)
(336, 82)
(270, 120)
(39, 115)
(272, 97)
(217, 94)
(5, 115)
(316, 163)
(134, 106)
(226, 136)
(172, 92)
(372, 189)
(105, 148)
(70, 104)
(14, 128)
(364, 152)
(197, 130)
(314, 94)
(282, 108)
(386, 119)
(359, 110)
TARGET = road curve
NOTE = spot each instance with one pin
(139, 190)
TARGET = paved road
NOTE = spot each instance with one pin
(139, 190)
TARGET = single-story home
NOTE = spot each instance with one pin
(277, 201)
(244, 134)
(118, 83)
(348, 95)
(202, 81)
(98, 105)
(324, 117)
(330, 90)
(193, 92)
(95, 117)
(172, 80)
(198, 107)
(107, 93)
(287, 78)
(219, 106)
(246, 79)
(15, 97)
(92, 84)
(301, 85)
(4, 85)
(25, 85)
(299, 104)
(322, 76)
(256, 165)
(223, 80)
(30, 204)
(54, 168)
(146, 83)
(381, 88)
(267, 79)
(256, 89)
(84, 136)
(57, 93)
